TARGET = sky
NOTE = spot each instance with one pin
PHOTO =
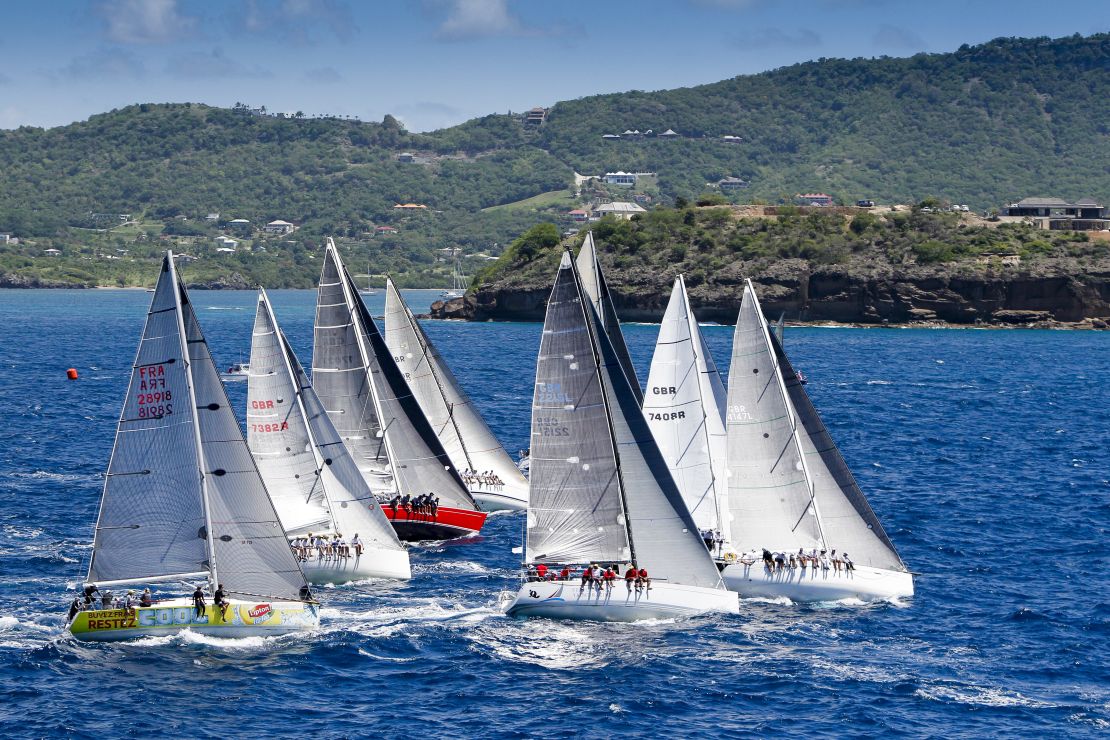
(435, 63)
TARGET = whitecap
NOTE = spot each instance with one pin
(983, 696)
(880, 382)
(777, 600)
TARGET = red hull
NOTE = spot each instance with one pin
(445, 525)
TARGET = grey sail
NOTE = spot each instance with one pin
(575, 511)
(847, 520)
(250, 547)
(416, 458)
(685, 409)
(600, 488)
(597, 290)
(769, 491)
(466, 438)
(278, 435)
(341, 380)
(152, 522)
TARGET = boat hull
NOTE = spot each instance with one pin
(816, 584)
(505, 500)
(243, 619)
(371, 564)
(446, 524)
(568, 600)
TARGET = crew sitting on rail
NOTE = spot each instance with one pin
(145, 599)
(356, 543)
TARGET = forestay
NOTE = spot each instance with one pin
(340, 376)
(685, 408)
(769, 493)
(595, 287)
(465, 437)
(847, 519)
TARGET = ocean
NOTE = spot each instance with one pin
(983, 452)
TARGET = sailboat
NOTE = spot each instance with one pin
(492, 478)
(379, 419)
(600, 489)
(790, 492)
(183, 502)
(685, 410)
(313, 481)
(458, 283)
(369, 289)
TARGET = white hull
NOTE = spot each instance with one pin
(243, 619)
(567, 600)
(815, 584)
(504, 500)
(371, 564)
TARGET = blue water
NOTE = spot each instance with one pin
(984, 453)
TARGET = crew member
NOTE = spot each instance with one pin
(145, 599)
(630, 577)
(357, 544)
(220, 600)
(198, 602)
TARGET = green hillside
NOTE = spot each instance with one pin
(982, 125)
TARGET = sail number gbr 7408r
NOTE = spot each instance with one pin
(665, 390)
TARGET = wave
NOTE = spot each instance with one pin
(981, 696)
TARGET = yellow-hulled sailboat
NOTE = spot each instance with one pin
(184, 504)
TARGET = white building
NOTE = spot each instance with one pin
(239, 223)
(52, 252)
(619, 209)
(279, 227)
(227, 241)
(624, 179)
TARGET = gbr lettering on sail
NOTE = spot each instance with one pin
(665, 390)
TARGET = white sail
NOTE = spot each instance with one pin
(847, 520)
(769, 490)
(148, 525)
(600, 488)
(402, 436)
(285, 418)
(278, 434)
(465, 436)
(597, 290)
(685, 408)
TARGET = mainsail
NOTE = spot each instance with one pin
(601, 490)
(313, 480)
(465, 436)
(769, 490)
(183, 497)
(834, 511)
(597, 291)
(405, 439)
(685, 409)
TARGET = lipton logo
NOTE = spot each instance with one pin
(260, 611)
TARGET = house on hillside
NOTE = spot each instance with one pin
(730, 139)
(5, 238)
(670, 134)
(52, 252)
(410, 207)
(578, 215)
(733, 183)
(225, 250)
(610, 137)
(406, 157)
(535, 116)
(239, 224)
(385, 230)
(214, 216)
(1085, 214)
(226, 241)
(813, 199)
(619, 209)
(279, 227)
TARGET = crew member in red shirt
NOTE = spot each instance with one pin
(630, 577)
(564, 574)
(541, 571)
(642, 579)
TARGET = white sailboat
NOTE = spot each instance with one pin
(493, 479)
(600, 490)
(790, 491)
(379, 419)
(183, 502)
(685, 409)
(313, 480)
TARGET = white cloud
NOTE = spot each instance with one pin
(470, 19)
(144, 21)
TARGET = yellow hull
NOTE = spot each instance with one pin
(243, 619)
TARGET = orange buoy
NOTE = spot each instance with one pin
(72, 373)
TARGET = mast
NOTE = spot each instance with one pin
(586, 309)
(201, 464)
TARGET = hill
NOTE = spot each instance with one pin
(981, 125)
(817, 264)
